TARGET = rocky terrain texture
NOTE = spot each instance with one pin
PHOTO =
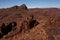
(22, 23)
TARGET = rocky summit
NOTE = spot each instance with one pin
(22, 23)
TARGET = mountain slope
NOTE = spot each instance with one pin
(21, 23)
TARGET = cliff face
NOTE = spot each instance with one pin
(21, 23)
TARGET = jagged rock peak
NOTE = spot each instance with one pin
(23, 7)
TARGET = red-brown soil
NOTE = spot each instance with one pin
(21, 23)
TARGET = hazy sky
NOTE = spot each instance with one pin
(30, 3)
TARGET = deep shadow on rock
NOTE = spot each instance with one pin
(33, 23)
(29, 24)
(5, 29)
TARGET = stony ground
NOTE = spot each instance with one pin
(21, 23)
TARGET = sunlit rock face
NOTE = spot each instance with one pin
(21, 23)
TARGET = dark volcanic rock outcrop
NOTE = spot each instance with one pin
(21, 8)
